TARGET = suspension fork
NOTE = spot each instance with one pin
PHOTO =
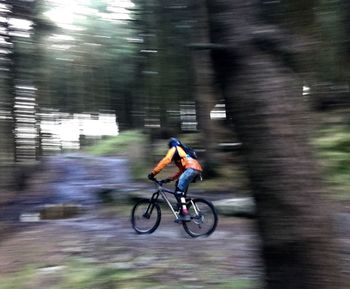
(150, 207)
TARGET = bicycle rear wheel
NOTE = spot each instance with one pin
(145, 216)
(204, 218)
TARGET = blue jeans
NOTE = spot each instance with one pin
(186, 178)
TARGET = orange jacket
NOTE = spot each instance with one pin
(185, 162)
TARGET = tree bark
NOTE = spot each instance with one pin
(203, 85)
(264, 95)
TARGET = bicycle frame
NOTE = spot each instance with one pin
(163, 191)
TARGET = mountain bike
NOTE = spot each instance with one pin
(146, 213)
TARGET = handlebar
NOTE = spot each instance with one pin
(161, 182)
(157, 182)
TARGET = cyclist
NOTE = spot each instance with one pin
(189, 170)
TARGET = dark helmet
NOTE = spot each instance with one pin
(173, 142)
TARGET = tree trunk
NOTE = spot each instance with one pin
(204, 79)
(264, 95)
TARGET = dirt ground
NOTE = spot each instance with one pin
(98, 249)
(105, 237)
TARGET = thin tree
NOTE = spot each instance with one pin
(204, 92)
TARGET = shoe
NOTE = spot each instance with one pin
(184, 216)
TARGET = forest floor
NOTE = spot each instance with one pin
(80, 252)
(99, 249)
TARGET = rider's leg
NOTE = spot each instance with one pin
(184, 181)
(182, 186)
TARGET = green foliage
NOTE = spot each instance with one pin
(130, 144)
(88, 69)
(79, 274)
(124, 144)
(236, 283)
(17, 280)
(333, 144)
(330, 26)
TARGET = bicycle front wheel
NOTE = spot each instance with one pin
(145, 217)
(204, 218)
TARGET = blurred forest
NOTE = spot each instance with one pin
(259, 88)
(146, 65)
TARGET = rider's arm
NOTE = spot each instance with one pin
(165, 161)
